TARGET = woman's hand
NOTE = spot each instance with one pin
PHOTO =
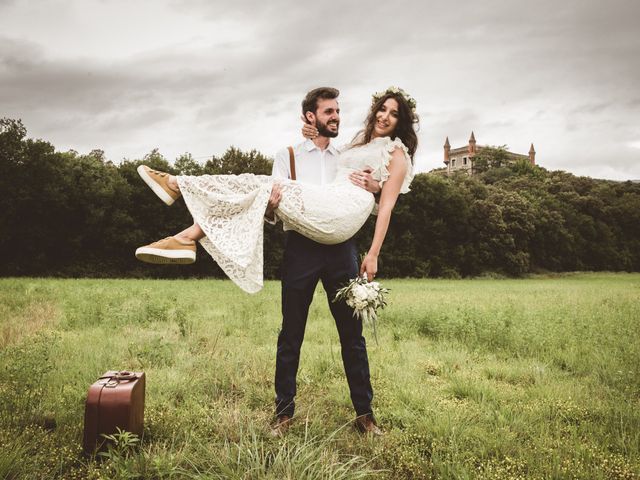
(363, 179)
(309, 131)
(370, 266)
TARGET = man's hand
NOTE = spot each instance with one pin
(363, 179)
(369, 266)
(274, 200)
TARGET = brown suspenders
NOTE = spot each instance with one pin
(292, 163)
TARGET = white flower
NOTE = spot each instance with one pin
(360, 292)
(365, 298)
(372, 294)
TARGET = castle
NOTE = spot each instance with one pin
(461, 159)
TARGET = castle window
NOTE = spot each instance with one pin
(464, 161)
(453, 162)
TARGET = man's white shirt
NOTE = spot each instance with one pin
(313, 165)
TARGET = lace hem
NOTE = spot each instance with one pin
(230, 211)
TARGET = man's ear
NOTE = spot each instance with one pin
(310, 117)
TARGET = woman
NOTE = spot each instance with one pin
(228, 210)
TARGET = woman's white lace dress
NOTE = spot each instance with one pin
(230, 208)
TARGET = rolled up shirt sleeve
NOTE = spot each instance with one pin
(281, 165)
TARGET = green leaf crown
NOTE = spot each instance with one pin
(397, 91)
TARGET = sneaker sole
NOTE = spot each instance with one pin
(163, 257)
(153, 185)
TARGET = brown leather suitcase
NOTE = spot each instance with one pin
(116, 400)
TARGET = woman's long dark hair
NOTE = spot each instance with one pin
(404, 128)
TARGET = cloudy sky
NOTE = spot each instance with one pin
(200, 75)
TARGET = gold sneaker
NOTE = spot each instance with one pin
(168, 250)
(159, 183)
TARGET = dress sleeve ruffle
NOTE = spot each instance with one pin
(389, 147)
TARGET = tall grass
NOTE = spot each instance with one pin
(486, 378)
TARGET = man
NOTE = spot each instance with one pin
(307, 262)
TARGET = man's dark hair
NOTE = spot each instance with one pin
(310, 102)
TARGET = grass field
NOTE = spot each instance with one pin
(487, 378)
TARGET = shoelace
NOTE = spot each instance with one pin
(160, 241)
(162, 175)
(164, 240)
(158, 172)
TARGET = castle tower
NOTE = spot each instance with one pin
(447, 149)
(472, 144)
(532, 155)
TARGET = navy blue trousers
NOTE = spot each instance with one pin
(305, 263)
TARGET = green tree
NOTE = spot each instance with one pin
(234, 162)
(490, 157)
(186, 165)
(70, 214)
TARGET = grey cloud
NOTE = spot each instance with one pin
(513, 71)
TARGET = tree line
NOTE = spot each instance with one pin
(69, 214)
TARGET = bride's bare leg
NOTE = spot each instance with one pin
(194, 233)
(173, 183)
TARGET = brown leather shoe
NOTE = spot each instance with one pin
(366, 425)
(280, 428)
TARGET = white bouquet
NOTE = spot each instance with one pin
(365, 298)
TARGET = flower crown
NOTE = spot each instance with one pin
(398, 91)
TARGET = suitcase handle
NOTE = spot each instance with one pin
(122, 375)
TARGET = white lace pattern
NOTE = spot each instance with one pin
(230, 210)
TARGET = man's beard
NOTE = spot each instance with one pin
(324, 131)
